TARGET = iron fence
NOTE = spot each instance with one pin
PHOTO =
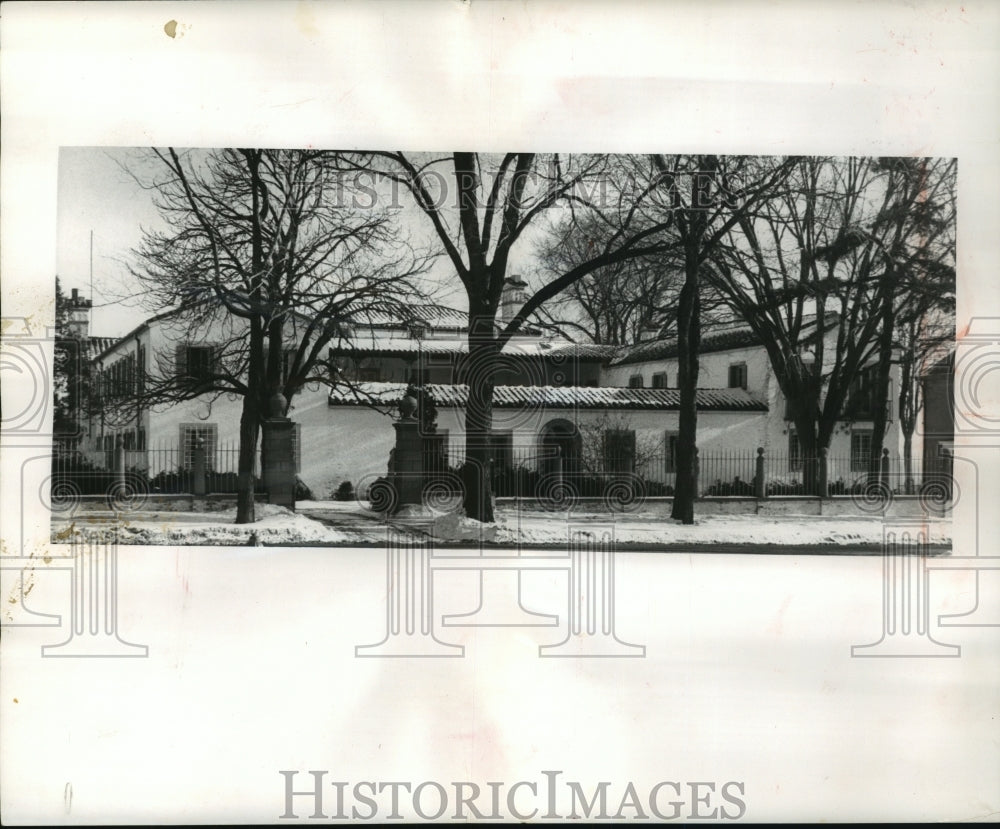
(529, 472)
(158, 470)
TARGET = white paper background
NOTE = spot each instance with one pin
(251, 664)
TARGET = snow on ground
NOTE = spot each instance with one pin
(274, 525)
(541, 528)
(546, 528)
(347, 523)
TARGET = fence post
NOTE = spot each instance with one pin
(278, 454)
(758, 476)
(120, 462)
(198, 467)
(697, 471)
(409, 457)
(824, 474)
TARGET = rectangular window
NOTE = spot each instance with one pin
(738, 376)
(794, 451)
(660, 380)
(196, 362)
(619, 450)
(861, 450)
(635, 381)
(190, 435)
(370, 374)
(670, 452)
(862, 393)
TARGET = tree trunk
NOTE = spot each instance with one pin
(907, 409)
(908, 461)
(253, 409)
(688, 335)
(476, 478)
(809, 447)
(249, 432)
(881, 394)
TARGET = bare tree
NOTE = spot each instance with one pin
(921, 341)
(707, 197)
(630, 453)
(915, 236)
(265, 258)
(479, 208)
(612, 305)
(819, 261)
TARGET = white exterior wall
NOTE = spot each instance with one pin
(762, 384)
(353, 442)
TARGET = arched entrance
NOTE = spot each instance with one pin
(559, 447)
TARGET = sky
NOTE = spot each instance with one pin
(98, 195)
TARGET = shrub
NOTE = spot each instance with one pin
(734, 488)
(344, 492)
(302, 492)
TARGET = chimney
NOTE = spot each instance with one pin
(512, 298)
(79, 315)
(649, 331)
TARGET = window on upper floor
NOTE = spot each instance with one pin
(635, 381)
(197, 363)
(862, 394)
(738, 376)
(660, 380)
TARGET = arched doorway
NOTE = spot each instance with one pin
(559, 447)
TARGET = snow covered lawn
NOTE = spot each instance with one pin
(325, 523)
(547, 528)
(274, 525)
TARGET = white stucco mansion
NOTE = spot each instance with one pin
(616, 406)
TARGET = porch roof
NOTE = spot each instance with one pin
(556, 397)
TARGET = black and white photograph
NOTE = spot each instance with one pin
(636, 465)
(495, 343)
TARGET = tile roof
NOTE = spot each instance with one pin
(98, 345)
(402, 346)
(719, 339)
(580, 397)
(714, 337)
(440, 316)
